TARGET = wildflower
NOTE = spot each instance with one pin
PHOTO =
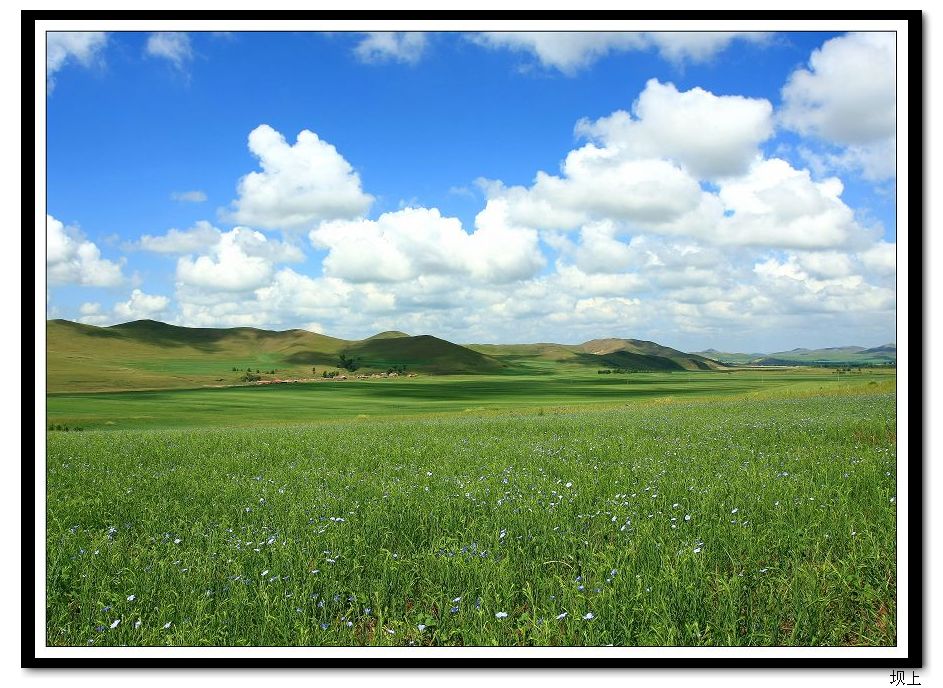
(114, 624)
(390, 631)
(458, 599)
(421, 627)
(176, 541)
(697, 550)
(733, 511)
(588, 616)
(264, 573)
(167, 625)
(324, 627)
(674, 506)
(561, 616)
(131, 598)
(569, 485)
(687, 517)
(500, 615)
(137, 624)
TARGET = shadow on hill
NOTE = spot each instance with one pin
(629, 361)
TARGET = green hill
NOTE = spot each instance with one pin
(625, 354)
(649, 350)
(389, 334)
(425, 352)
(146, 354)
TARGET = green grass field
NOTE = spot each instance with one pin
(751, 508)
(317, 402)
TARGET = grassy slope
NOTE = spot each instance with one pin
(150, 355)
(632, 354)
(146, 354)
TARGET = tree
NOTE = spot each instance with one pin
(348, 364)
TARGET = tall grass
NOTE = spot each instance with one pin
(767, 522)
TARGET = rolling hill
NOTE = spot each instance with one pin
(146, 354)
(625, 354)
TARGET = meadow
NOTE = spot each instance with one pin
(756, 508)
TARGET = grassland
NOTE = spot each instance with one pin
(686, 508)
(372, 400)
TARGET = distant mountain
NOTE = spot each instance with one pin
(835, 355)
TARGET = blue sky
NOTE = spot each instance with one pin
(734, 192)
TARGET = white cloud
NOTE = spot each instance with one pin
(188, 196)
(796, 291)
(72, 259)
(90, 308)
(881, 258)
(414, 242)
(170, 45)
(141, 306)
(597, 184)
(62, 47)
(241, 260)
(203, 237)
(571, 51)
(712, 136)
(777, 205)
(637, 245)
(386, 46)
(299, 184)
(699, 46)
(847, 97)
(200, 237)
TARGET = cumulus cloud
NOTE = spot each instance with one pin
(204, 237)
(188, 196)
(847, 97)
(389, 46)
(648, 231)
(299, 185)
(170, 45)
(141, 306)
(240, 260)
(72, 259)
(63, 47)
(201, 236)
(411, 242)
(778, 205)
(881, 258)
(569, 52)
(597, 184)
(712, 136)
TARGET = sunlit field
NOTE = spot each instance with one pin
(761, 519)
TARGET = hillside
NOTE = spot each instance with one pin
(597, 354)
(146, 354)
